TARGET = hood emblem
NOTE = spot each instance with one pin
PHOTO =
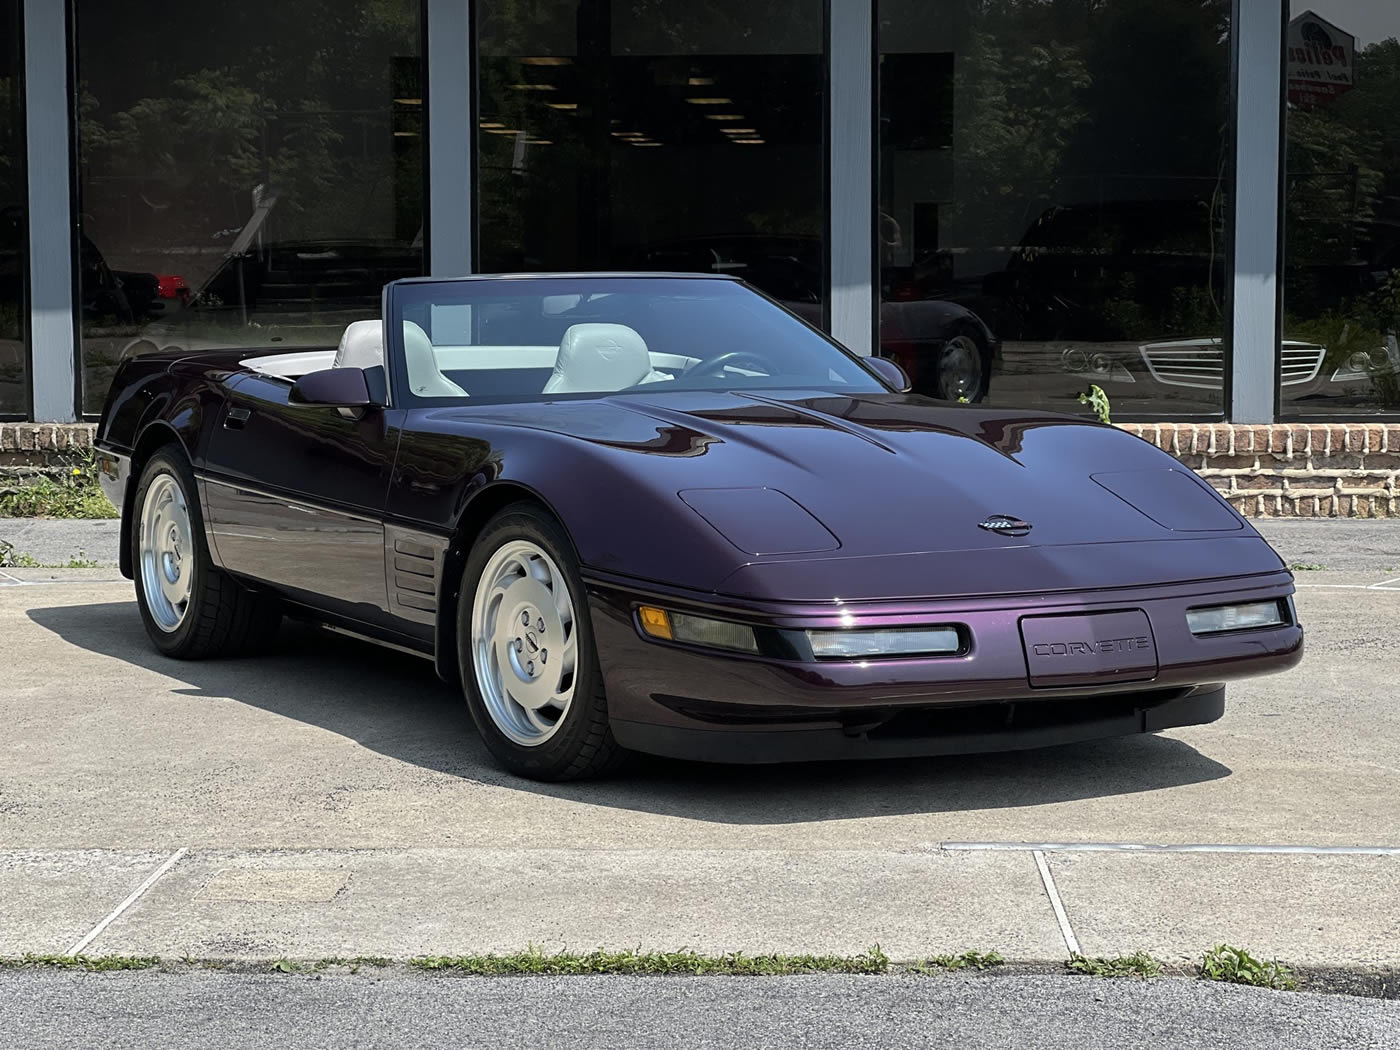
(1004, 525)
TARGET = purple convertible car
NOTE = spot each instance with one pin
(662, 514)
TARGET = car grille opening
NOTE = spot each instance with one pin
(1201, 364)
(891, 723)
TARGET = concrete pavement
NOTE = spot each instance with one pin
(332, 799)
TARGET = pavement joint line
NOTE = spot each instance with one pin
(1056, 905)
(1155, 847)
(136, 895)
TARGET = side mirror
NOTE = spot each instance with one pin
(333, 388)
(890, 372)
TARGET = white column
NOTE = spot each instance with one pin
(449, 101)
(851, 138)
(1258, 154)
(48, 124)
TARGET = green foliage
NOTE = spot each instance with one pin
(75, 494)
(1306, 566)
(91, 963)
(972, 960)
(1139, 964)
(1237, 966)
(13, 559)
(1096, 399)
(737, 964)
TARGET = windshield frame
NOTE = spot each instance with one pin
(408, 292)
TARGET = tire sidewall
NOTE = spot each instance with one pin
(983, 350)
(588, 708)
(170, 462)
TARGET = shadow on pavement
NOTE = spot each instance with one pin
(394, 704)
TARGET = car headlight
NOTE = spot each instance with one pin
(1365, 363)
(697, 630)
(894, 641)
(1217, 618)
(1094, 366)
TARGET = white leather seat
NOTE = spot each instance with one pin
(424, 377)
(361, 345)
(595, 358)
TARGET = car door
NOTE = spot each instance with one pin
(295, 496)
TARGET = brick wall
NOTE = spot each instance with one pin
(26, 446)
(1322, 470)
(1336, 470)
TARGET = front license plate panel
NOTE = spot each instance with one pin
(1093, 648)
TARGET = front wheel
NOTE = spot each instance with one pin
(191, 609)
(962, 368)
(525, 643)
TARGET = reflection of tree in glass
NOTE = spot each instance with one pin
(298, 95)
(1343, 214)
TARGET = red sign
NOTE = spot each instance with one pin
(1321, 60)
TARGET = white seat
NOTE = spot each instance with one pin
(595, 358)
(361, 345)
(424, 377)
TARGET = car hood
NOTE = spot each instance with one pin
(865, 490)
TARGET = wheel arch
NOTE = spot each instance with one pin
(483, 505)
(155, 436)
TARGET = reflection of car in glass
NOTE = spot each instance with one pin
(945, 348)
(662, 514)
(1200, 364)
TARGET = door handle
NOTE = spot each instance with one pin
(236, 417)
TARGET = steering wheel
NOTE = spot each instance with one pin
(715, 365)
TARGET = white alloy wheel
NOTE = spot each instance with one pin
(166, 552)
(524, 641)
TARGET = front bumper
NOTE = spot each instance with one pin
(688, 702)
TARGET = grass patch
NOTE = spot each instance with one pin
(1237, 966)
(1139, 964)
(1306, 566)
(961, 961)
(13, 559)
(74, 494)
(636, 963)
(91, 963)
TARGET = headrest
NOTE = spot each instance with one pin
(597, 358)
(361, 345)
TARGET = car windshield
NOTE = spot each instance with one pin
(532, 339)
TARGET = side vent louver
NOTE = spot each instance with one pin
(415, 564)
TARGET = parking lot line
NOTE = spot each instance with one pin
(1056, 905)
(1160, 847)
(136, 894)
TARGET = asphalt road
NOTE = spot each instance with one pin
(272, 1012)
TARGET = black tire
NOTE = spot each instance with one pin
(969, 333)
(222, 617)
(583, 746)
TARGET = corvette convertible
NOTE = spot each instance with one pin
(660, 513)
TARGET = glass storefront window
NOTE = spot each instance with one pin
(250, 174)
(14, 241)
(1052, 196)
(682, 135)
(1341, 267)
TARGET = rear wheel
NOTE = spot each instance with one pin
(525, 644)
(191, 609)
